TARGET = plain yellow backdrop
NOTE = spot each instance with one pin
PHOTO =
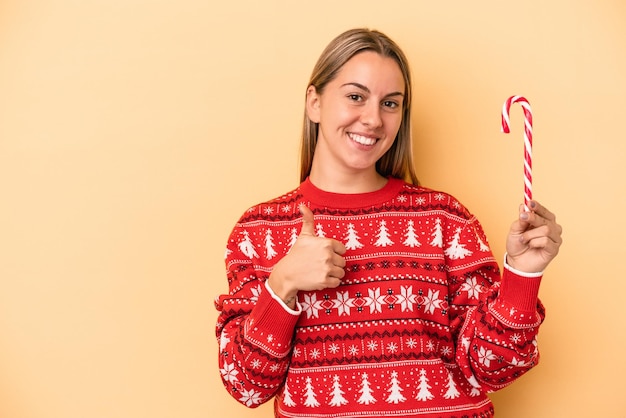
(134, 133)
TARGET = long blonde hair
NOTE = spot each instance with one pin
(398, 160)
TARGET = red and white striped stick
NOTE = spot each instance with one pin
(528, 142)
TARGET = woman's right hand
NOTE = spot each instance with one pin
(313, 263)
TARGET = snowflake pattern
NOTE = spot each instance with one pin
(229, 373)
(432, 301)
(411, 343)
(343, 303)
(250, 397)
(472, 288)
(315, 353)
(485, 356)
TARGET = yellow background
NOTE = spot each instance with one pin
(134, 133)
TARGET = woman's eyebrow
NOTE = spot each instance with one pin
(357, 85)
(364, 88)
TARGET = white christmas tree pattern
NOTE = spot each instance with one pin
(437, 234)
(293, 238)
(224, 340)
(365, 391)
(395, 391)
(247, 247)
(424, 388)
(310, 399)
(457, 250)
(452, 391)
(482, 245)
(269, 245)
(319, 230)
(287, 399)
(337, 399)
(411, 237)
(352, 239)
(383, 236)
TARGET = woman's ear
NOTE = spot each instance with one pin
(313, 104)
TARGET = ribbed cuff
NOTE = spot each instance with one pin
(519, 291)
(270, 326)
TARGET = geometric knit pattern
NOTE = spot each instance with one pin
(422, 324)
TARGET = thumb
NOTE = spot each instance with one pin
(308, 223)
(521, 224)
(523, 216)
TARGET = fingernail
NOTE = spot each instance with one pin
(533, 204)
(524, 216)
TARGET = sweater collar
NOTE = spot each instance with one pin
(320, 197)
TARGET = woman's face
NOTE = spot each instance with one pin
(359, 113)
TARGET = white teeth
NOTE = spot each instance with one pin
(363, 140)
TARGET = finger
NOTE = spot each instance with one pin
(331, 282)
(550, 232)
(545, 244)
(337, 272)
(338, 247)
(542, 211)
(536, 220)
(338, 261)
(308, 222)
(523, 221)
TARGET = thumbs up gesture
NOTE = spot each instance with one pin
(313, 263)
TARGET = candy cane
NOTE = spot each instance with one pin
(528, 142)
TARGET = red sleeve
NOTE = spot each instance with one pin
(254, 331)
(497, 320)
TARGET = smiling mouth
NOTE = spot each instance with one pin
(363, 140)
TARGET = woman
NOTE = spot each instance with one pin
(361, 293)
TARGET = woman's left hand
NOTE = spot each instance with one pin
(534, 239)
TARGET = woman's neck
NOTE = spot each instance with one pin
(347, 183)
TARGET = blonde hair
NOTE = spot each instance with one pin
(398, 160)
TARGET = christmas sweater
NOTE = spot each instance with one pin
(422, 325)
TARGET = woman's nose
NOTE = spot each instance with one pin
(371, 115)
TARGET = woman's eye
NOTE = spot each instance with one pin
(355, 97)
(390, 104)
